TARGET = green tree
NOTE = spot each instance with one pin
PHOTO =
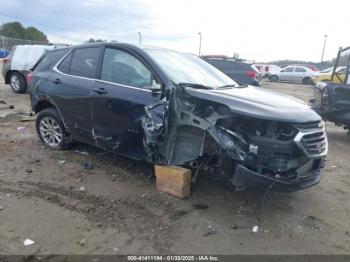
(34, 34)
(17, 30)
(92, 40)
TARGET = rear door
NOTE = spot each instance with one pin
(118, 101)
(73, 83)
(299, 74)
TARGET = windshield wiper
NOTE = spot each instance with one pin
(195, 86)
(227, 86)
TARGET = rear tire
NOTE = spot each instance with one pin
(307, 80)
(51, 131)
(18, 83)
(273, 78)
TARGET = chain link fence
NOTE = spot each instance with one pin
(9, 42)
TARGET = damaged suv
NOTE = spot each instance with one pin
(171, 108)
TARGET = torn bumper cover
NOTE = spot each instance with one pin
(246, 177)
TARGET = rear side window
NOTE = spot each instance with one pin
(244, 67)
(222, 64)
(50, 59)
(300, 70)
(84, 62)
(64, 65)
(288, 69)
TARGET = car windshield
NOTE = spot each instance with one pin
(187, 68)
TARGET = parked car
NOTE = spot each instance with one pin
(19, 62)
(332, 98)
(242, 73)
(326, 76)
(4, 53)
(327, 70)
(312, 67)
(171, 108)
(294, 74)
(265, 70)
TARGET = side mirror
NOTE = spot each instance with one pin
(155, 87)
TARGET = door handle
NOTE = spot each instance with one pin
(57, 81)
(100, 91)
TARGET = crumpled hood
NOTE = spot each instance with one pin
(260, 103)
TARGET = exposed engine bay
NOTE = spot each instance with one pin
(209, 137)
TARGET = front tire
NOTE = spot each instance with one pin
(51, 131)
(18, 83)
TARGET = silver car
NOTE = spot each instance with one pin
(301, 74)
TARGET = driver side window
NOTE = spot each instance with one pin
(123, 68)
(288, 70)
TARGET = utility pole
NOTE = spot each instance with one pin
(200, 43)
(140, 38)
(324, 47)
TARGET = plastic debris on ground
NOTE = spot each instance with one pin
(87, 165)
(255, 229)
(21, 128)
(81, 152)
(211, 231)
(83, 242)
(61, 162)
(28, 242)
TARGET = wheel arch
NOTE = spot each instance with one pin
(306, 79)
(45, 103)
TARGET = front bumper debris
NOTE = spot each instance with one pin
(244, 177)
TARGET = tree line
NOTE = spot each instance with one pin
(17, 30)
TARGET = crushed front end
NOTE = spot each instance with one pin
(289, 155)
(213, 140)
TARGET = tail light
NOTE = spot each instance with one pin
(5, 60)
(251, 74)
(29, 78)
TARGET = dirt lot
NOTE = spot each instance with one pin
(47, 196)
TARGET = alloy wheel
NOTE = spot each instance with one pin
(50, 131)
(15, 82)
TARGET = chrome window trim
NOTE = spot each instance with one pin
(55, 68)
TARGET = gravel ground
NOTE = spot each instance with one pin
(114, 208)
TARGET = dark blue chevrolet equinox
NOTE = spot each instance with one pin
(172, 108)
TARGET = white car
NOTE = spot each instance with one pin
(265, 69)
(300, 74)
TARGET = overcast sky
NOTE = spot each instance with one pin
(260, 30)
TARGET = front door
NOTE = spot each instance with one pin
(119, 97)
(286, 74)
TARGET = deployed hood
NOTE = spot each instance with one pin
(260, 103)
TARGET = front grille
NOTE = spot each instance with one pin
(312, 139)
